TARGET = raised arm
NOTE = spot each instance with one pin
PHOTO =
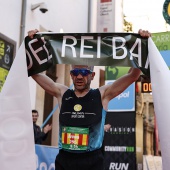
(108, 92)
(55, 89)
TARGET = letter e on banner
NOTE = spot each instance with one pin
(36, 52)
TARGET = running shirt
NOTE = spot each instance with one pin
(81, 121)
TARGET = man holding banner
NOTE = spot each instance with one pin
(82, 114)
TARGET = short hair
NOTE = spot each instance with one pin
(35, 111)
(89, 67)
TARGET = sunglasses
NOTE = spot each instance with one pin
(83, 72)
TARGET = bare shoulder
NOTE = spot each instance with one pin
(102, 89)
(61, 87)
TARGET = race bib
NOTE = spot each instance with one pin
(75, 138)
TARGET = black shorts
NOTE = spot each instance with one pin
(93, 160)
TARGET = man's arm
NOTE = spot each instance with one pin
(38, 135)
(46, 129)
(55, 89)
(108, 92)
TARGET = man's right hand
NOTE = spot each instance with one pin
(47, 128)
(32, 33)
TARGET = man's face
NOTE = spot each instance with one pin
(81, 76)
(34, 117)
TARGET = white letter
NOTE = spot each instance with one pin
(112, 166)
(82, 55)
(125, 166)
(30, 59)
(137, 42)
(106, 148)
(34, 52)
(147, 63)
(98, 46)
(43, 166)
(52, 166)
(68, 45)
(123, 48)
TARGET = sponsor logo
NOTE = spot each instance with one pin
(78, 115)
(123, 95)
(118, 166)
(121, 130)
(166, 11)
(68, 98)
(77, 107)
(119, 148)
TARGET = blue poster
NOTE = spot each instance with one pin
(45, 157)
(124, 101)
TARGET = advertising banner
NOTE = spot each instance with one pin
(126, 100)
(119, 141)
(45, 157)
(17, 138)
(162, 42)
(7, 53)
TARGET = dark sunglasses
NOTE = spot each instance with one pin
(83, 72)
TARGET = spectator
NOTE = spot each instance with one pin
(39, 135)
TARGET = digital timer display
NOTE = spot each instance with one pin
(146, 87)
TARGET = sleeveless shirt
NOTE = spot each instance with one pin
(83, 112)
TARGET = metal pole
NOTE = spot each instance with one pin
(89, 16)
(23, 17)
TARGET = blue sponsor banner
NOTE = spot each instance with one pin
(124, 101)
(166, 57)
(45, 157)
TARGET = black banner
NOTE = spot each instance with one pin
(119, 142)
(98, 49)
